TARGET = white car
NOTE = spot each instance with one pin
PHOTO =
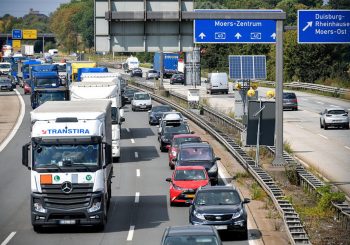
(141, 101)
(334, 117)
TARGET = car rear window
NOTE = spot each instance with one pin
(178, 141)
(336, 112)
(289, 96)
(196, 154)
(190, 174)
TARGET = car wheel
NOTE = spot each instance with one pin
(171, 166)
(37, 228)
(347, 126)
(325, 126)
(321, 125)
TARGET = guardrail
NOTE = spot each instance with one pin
(335, 91)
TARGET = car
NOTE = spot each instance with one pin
(222, 207)
(152, 74)
(170, 116)
(334, 117)
(175, 143)
(177, 78)
(136, 72)
(290, 101)
(155, 114)
(5, 68)
(184, 183)
(169, 129)
(6, 84)
(128, 94)
(191, 235)
(141, 101)
(198, 154)
(27, 88)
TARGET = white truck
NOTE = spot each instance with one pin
(131, 63)
(70, 160)
(103, 86)
(27, 50)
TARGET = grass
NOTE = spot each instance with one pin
(257, 192)
(287, 147)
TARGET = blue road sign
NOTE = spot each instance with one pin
(16, 34)
(234, 31)
(324, 26)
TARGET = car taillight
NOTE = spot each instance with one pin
(295, 101)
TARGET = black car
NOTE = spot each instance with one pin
(191, 235)
(155, 114)
(177, 78)
(169, 130)
(136, 72)
(290, 101)
(222, 207)
(198, 154)
(6, 84)
(128, 95)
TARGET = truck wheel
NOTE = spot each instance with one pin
(116, 159)
(109, 191)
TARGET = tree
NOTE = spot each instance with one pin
(339, 4)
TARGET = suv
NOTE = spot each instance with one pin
(220, 206)
(290, 101)
(177, 78)
(198, 154)
(334, 116)
(141, 101)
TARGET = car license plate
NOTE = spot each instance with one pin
(190, 196)
(221, 227)
(67, 222)
(142, 106)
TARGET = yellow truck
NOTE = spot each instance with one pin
(73, 66)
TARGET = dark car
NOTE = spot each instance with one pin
(191, 235)
(177, 78)
(136, 72)
(198, 154)
(222, 207)
(155, 114)
(290, 101)
(6, 84)
(128, 95)
(169, 129)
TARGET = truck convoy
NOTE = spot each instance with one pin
(102, 86)
(46, 85)
(70, 160)
(23, 69)
(170, 63)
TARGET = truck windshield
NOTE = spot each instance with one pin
(66, 156)
(50, 96)
(54, 82)
(25, 68)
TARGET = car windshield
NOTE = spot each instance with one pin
(66, 155)
(5, 81)
(196, 154)
(161, 109)
(178, 141)
(289, 96)
(5, 66)
(152, 71)
(190, 174)
(217, 197)
(191, 240)
(336, 112)
(177, 128)
(141, 97)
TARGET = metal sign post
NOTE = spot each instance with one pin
(257, 152)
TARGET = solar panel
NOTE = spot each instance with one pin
(247, 67)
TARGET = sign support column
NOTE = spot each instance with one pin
(279, 160)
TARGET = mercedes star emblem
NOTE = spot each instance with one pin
(67, 187)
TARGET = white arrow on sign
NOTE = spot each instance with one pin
(202, 35)
(309, 24)
(273, 36)
(238, 35)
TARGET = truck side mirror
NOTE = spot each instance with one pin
(122, 119)
(25, 155)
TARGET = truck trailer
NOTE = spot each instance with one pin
(70, 160)
(170, 63)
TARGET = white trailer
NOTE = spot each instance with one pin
(70, 159)
(27, 50)
(105, 88)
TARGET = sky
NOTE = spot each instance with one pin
(19, 8)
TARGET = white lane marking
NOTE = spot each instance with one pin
(305, 99)
(320, 102)
(131, 233)
(347, 147)
(333, 105)
(136, 154)
(300, 126)
(18, 123)
(138, 173)
(137, 197)
(323, 136)
(128, 130)
(133, 141)
(6, 241)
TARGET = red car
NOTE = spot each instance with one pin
(26, 88)
(177, 140)
(185, 182)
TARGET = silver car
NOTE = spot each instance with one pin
(334, 117)
(152, 74)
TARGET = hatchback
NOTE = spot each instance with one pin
(290, 101)
(136, 72)
(177, 78)
(334, 117)
(222, 207)
(152, 74)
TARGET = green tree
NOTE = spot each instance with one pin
(339, 4)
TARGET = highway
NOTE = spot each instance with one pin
(139, 208)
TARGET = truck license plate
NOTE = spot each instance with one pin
(67, 222)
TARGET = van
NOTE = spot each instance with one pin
(53, 52)
(217, 83)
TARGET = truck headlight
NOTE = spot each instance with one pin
(198, 215)
(96, 205)
(213, 169)
(38, 207)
